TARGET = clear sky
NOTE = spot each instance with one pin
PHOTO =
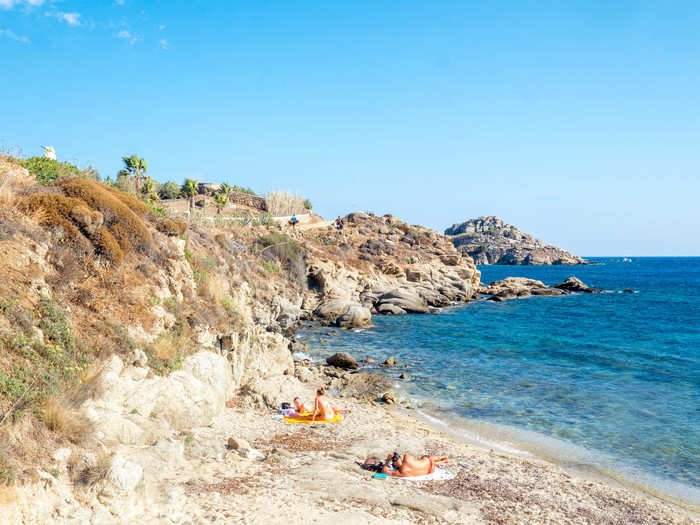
(576, 121)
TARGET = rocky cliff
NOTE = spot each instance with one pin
(115, 321)
(488, 240)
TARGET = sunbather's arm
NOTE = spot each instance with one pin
(390, 472)
(317, 410)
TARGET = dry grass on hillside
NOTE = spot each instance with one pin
(282, 203)
(61, 416)
(121, 211)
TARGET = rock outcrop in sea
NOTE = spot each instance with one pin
(488, 240)
(521, 288)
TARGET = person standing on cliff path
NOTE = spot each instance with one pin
(293, 221)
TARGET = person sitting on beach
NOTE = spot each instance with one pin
(408, 465)
(323, 409)
(301, 408)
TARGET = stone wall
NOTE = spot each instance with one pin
(246, 199)
(235, 197)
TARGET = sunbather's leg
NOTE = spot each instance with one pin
(437, 459)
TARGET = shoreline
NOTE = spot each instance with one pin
(590, 463)
(523, 448)
(273, 472)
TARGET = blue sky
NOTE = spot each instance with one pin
(578, 122)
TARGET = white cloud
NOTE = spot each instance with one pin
(163, 44)
(12, 35)
(127, 35)
(73, 19)
(9, 4)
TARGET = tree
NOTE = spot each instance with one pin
(189, 189)
(134, 166)
(149, 189)
(169, 190)
(221, 197)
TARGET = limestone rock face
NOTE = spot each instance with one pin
(132, 408)
(488, 240)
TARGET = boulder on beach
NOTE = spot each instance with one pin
(389, 398)
(342, 360)
(333, 308)
(354, 316)
(390, 309)
(404, 299)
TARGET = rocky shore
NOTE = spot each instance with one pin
(488, 240)
(220, 458)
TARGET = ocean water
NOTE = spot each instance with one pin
(605, 382)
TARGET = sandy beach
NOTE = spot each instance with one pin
(248, 466)
(307, 474)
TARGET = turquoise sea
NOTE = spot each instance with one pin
(608, 383)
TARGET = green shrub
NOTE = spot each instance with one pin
(241, 189)
(270, 267)
(169, 190)
(40, 368)
(279, 246)
(307, 204)
(47, 171)
(267, 220)
(7, 471)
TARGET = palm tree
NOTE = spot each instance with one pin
(221, 197)
(135, 166)
(148, 189)
(189, 189)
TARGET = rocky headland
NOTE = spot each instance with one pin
(488, 240)
(143, 356)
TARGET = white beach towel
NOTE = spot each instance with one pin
(437, 475)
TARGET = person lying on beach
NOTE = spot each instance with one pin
(408, 465)
(323, 409)
(371, 464)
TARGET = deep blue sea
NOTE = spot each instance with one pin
(605, 382)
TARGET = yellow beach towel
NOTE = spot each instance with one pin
(306, 418)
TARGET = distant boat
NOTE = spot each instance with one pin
(626, 259)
